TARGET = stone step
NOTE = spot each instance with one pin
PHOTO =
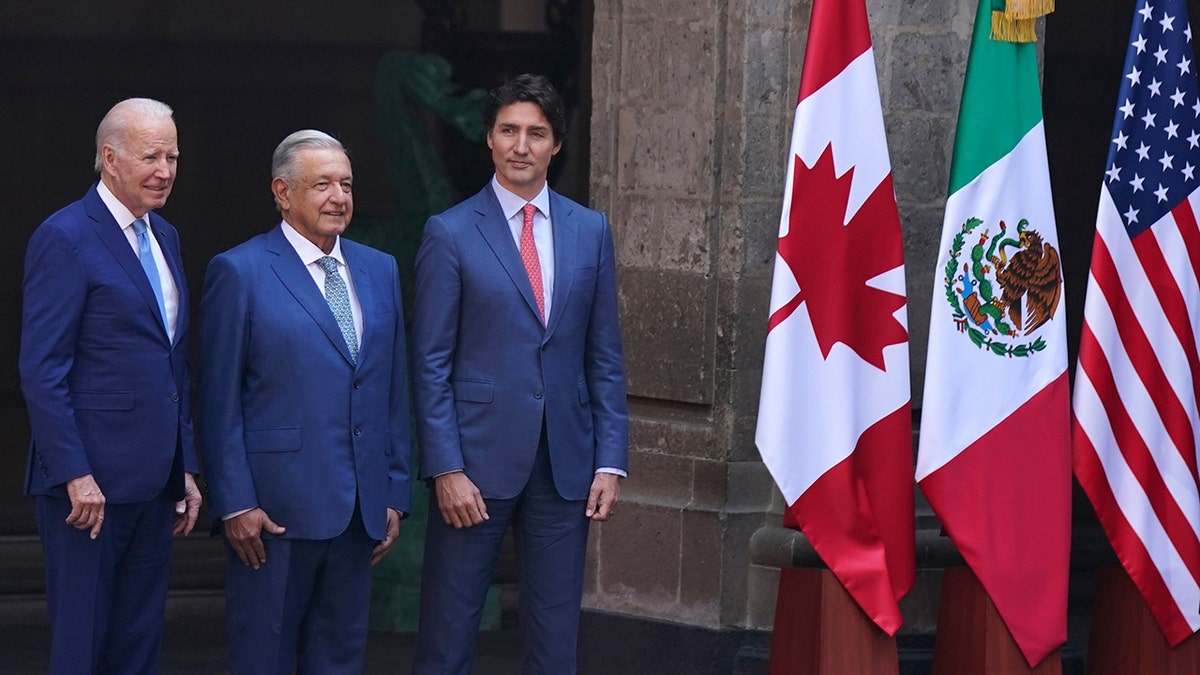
(194, 641)
(197, 562)
(29, 609)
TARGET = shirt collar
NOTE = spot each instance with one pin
(511, 204)
(309, 252)
(122, 215)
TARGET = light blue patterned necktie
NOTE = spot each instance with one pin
(339, 301)
(150, 266)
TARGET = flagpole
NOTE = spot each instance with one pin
(819, 629)
(1125, 637)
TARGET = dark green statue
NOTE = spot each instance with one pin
(408, 88)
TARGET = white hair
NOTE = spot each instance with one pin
(285, 160)
(114, 125)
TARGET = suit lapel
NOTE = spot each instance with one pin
(297, 280)
(114, 240)
(566, 234)
(494, 228)
(365, 292)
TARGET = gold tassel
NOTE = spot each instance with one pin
(1028, 9)
(1008, 29)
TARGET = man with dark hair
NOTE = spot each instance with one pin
(304, 420)
(104, 372)
(520, 391)
(534, 89)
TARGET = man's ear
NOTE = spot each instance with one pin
(282, 192)
(108, 159)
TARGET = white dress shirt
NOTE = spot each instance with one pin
(543, 237)
(310, 254)
(125, 218)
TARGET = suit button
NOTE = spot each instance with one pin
(537, 393)
(358, 384)
(174, 398)
(358, 431)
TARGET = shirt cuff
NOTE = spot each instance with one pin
(609, 469)
(235, 514)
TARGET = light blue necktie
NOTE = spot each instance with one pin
(339, 301)
(146, 254)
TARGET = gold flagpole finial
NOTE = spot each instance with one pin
(1015, 20)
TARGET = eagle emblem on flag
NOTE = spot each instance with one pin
(1002, 287)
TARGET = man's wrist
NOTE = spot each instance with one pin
(235, 514)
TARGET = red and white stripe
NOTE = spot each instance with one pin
(1137, 427)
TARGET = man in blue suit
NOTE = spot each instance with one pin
(519, 389)
(104, 372)
(304, 420)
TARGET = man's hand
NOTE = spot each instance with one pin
(188, 508)
(459, 500)
(602, 498)
(393, 532)
(87, 504)
(243, 531)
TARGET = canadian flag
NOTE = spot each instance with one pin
(834, 426)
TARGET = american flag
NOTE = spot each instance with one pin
(1138, 379)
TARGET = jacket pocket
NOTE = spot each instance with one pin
(286, 439)
(102, 400)
(475, 391)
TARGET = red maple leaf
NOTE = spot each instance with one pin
(832, 262)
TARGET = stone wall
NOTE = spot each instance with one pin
(691, 120)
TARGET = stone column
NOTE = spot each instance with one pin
(691, 121)
(691, 109)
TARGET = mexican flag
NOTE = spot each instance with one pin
(994, 458)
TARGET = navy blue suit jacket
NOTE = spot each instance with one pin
(288, 422)
(107, 391)
(485, 368)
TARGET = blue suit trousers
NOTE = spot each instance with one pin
(106, 597)
(305, 609)
(551, 539)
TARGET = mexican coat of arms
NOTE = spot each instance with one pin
(1004, 287)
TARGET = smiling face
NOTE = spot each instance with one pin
(522, 144)
(317, 199)
(139, 166)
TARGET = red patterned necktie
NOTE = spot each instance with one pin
(529, 256)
